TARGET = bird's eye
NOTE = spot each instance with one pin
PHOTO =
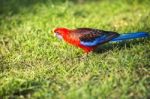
(57, 33)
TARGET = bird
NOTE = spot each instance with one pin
(89, 38)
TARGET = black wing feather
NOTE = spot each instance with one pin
(89, 35)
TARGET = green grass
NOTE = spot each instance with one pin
(35, 64)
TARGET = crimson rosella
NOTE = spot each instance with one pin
(88, 39)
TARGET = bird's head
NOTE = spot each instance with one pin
(61, 32)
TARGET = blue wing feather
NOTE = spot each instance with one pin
(94, 42)
(122, 37)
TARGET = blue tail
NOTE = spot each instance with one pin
(130, 36)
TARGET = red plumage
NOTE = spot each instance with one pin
(75, 36)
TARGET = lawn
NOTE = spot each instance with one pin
(35, 64)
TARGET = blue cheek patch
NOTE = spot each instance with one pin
(94, 42)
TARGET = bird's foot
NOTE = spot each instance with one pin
(84, 56)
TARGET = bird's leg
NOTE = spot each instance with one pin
(85, 56)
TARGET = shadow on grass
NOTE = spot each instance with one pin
(15, 6)
(120, 45)
(11, 7)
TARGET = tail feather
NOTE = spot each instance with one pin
(130, 36)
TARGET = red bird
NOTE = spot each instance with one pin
(78, 36)
(88, 39)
